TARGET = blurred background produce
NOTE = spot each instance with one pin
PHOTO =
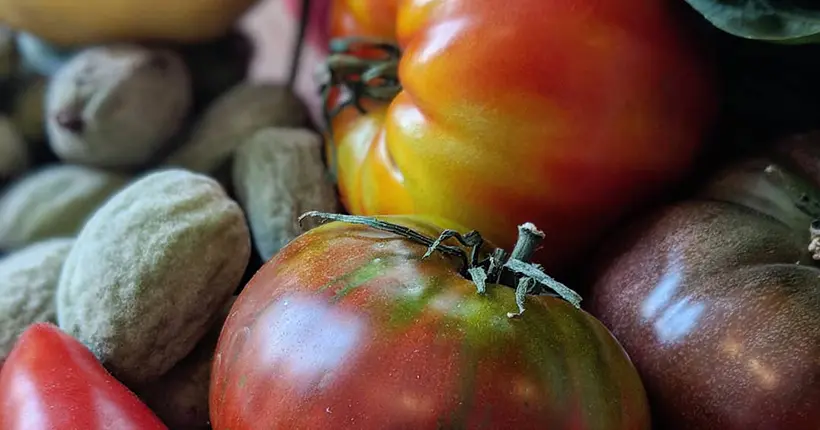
(101, 21)
(780, 21)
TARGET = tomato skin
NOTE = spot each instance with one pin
(717, 298)
(347, 328)
(51, 381)
(564, 113)
(374, 18)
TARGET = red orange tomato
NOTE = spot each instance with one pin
(563, 113)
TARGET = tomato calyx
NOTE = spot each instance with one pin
(814, 239)
(365, 68)
(805, 200)
(362, 68)
(795, 171)
(499, 267)
(357, 69)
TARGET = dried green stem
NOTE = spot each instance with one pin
(805, 199)
(529, 237)
(400, 230)
(814, 239)
(513, 270)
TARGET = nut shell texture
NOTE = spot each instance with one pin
(232, 119)
(117, 106)
(180, 397)
(278, 175)
(150, 270)
(54, 201)
(28, 280)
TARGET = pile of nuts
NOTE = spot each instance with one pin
(140, 186)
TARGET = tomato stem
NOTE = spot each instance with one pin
(360, 69)
(529, 237)
(814, 239)
(512, 270)
(803, 198)
(399, 230)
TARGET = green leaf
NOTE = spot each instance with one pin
(783, 21)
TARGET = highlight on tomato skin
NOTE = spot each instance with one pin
(52, 381)
(348, 327)
(568, 114)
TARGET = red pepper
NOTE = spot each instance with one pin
(51, 381)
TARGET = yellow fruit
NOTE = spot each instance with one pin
(83, 22)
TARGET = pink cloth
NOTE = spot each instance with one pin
(319, 20)
(273, 26)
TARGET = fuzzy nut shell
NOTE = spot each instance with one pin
(54, 201)
(278, 175)
(117, 106)
(150, 270)
(232, 119)
(14, 156)
(180, 397)
(28, 280)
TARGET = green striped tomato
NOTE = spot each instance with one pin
(349, 328)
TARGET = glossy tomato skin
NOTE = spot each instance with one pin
(563, 113)
(717, 301)
(51, 381)
(372, 18)
(347, 328)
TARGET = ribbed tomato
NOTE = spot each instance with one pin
(349, 327)
(563, 113)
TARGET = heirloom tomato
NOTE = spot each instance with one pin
(717, 299)
(51, 381)
(565, 113)
(352, 327)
